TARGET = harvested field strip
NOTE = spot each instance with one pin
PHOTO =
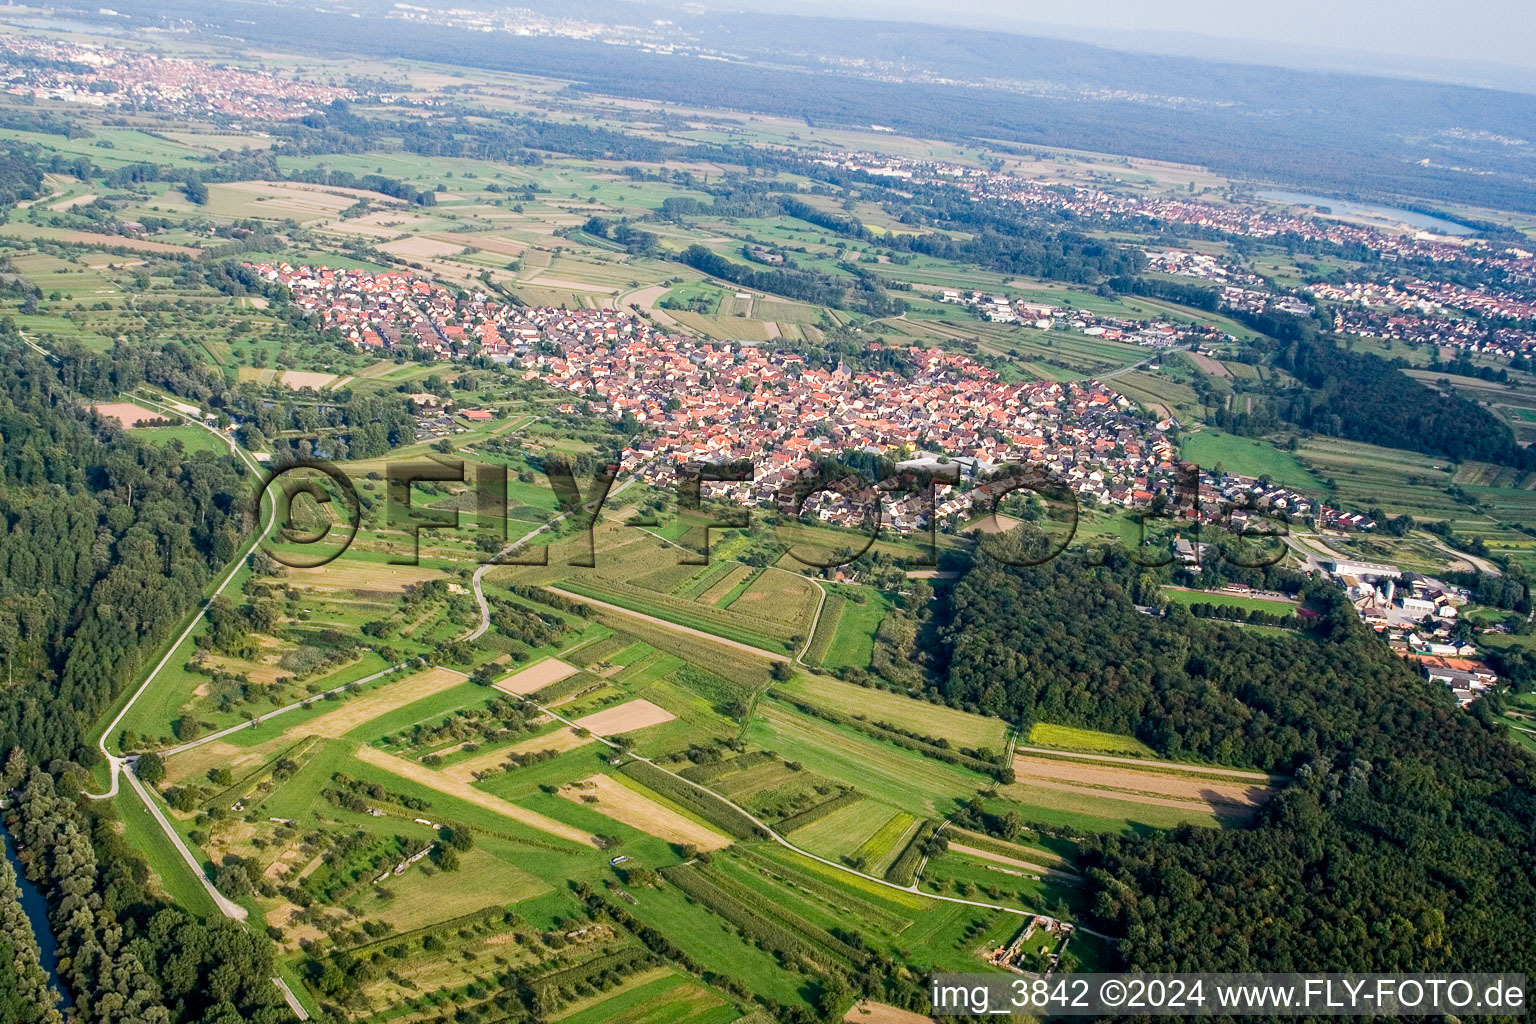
(880, 849)
(360, 711)
(354, 574)
(1183, 768)
(463, 791)
(708, 806)
(626, 804)
(559, 740)
(535, 677)
(1216, 803)
(866, 1012)
(1037, 869)
(127, 413)
(1054, 773)
(627, 717)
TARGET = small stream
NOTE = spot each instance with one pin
(37, 913)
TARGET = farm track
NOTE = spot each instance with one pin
(810, 635)
(477, 581)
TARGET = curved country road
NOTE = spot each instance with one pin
(114, 763)
(478, 587)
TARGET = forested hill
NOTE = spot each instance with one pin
(106, 543)
(1353, 395)
(1366, 398)
(1407, 841)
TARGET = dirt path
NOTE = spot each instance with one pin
(470, 795)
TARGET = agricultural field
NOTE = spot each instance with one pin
(1255, 457)
(1273, 606)
(1066, 737)
(1090, 792)
(626, 746)
(885, 707)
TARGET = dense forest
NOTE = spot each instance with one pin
(106, 543)
(1007, 239)
(1366, 398)
(128, 957)
(26, 996)
(1404, 841)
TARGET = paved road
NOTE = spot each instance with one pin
(291, 999)
(228, 907)
(184, 747)
(478, 587)
(114, 764)
(672, 626)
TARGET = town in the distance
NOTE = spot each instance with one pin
(655, 514)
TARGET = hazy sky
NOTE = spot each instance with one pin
(1492, 31)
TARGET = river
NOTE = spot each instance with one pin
(1392, 214)
(37, 913)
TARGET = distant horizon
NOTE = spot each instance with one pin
(1486, 47)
